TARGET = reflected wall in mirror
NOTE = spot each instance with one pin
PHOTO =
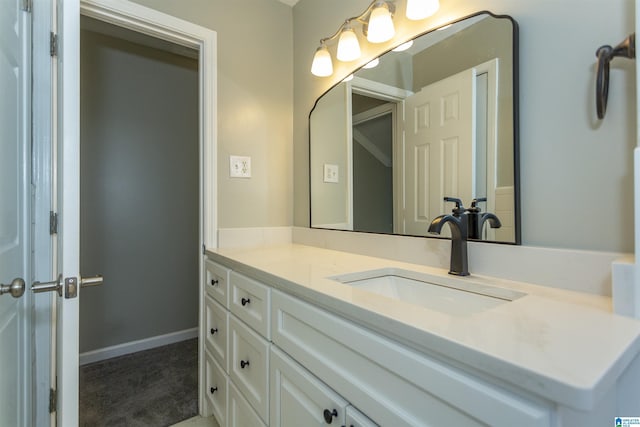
(436, 120)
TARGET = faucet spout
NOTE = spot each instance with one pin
(494, 221)
(458, 225)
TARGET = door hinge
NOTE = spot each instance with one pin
(53, 222)
(204, 250)
(26, 5)
(53, 44)
(53, 400)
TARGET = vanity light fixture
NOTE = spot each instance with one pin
(376, 24)
(322, 65)
(380, 25)
(348, 46)
(421, 9)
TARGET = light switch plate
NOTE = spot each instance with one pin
(331, 173)
(240, 167)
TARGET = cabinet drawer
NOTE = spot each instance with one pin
(216, 319)
(356, 418)
(249, 300)
(249, 365)
(216, 389)
(300, 399)
(241, 414)
(217, 282)
(392, 384)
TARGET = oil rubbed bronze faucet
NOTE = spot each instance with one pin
(458, 224)
(477, 218)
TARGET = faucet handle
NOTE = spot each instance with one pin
(474, 204)
(459, 209)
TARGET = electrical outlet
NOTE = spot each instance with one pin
(240, 167)
(330, 173)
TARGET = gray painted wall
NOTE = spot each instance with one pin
(139, 191)
(255, 104)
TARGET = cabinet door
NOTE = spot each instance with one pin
(249, 300)
(300, 399)
(356, 418)
(216, 318)
(216, 389)
(241, 414)
(217, 282)
(249, 365)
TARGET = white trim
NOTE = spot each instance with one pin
(135, 346)
(157, 24)
(166, 27)
(378, 90)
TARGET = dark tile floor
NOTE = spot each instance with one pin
(157, 387)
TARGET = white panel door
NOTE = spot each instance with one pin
(15, 403)
(440, 148)
(68, 184)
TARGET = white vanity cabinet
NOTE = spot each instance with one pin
(290, 363)
(216, 389)
(235, 328)
(355, 418)
(216, 281)
(392, 384)
(300, 399)
(241, 414)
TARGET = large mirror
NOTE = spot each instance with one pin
(436, 120)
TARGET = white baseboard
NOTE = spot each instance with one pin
(135, 346)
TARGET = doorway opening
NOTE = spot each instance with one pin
(139, 226)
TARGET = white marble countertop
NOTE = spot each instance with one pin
(560, 345)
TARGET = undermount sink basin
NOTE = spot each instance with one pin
(451, 295)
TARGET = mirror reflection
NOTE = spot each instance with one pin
(434, 120)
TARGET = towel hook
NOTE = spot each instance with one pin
(626, 49)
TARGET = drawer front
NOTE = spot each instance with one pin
(241, 414)
(356, 418)
(300, 399)
(249, 365)
(217, 282)
(419, 392)
(216, 333)
(216, 389)
(249, 300)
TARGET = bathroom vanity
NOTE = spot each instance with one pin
(298, 335)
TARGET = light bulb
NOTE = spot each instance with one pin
(322, 65)
(421, 9)
(348, 46)
(404, 46)
(371, 64)
(380, 24)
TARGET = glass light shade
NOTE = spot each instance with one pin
(348, 46)
(380, 24)
(372, 64)
(404, 46)
(322, 65)
(421, 9)
(348, 78)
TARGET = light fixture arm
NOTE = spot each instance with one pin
(363, 19)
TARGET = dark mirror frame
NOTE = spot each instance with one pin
(516, 130)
